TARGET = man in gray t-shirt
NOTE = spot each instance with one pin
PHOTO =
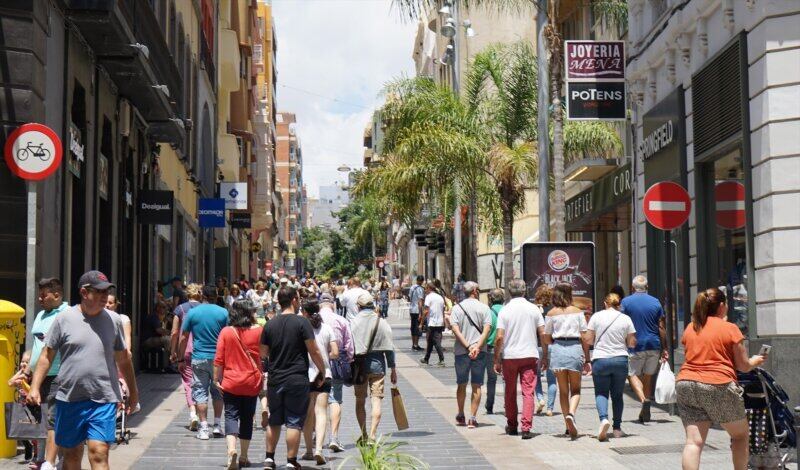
(91, 343)
(415, 297)
(471, 322)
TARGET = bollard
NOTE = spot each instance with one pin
(12, 336)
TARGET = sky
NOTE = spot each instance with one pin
(334, 57)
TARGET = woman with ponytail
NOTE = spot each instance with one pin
(706, 384)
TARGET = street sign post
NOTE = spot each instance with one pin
(729, 204)
(32, 152)
(667, 206)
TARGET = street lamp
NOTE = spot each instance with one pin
(468, 29)
(449, 28)
(344, 168)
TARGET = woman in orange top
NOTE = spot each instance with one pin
(706, 384)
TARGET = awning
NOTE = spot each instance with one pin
(605, 206)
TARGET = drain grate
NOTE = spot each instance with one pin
(654, 449)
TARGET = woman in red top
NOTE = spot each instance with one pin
(238, 375)
(706, 384)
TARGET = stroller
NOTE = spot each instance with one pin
(772, 432)
(123, 434)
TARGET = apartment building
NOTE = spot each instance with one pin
(289, 169)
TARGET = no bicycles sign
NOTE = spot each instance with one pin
(33, 151)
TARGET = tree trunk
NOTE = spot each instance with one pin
(472, 265)
(559, 202)
(508, 256)
(445, 273)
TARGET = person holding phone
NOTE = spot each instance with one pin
(706, 385)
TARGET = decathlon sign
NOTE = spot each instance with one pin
(211, 212)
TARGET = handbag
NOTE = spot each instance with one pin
(340, 369)
(358, 372)
(256, 378)
(25, 422)
(399, 410)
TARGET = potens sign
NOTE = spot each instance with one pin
(596, 100)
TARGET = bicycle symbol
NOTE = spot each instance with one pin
(36, 150)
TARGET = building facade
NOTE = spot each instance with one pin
(289, 169)
(717, 110)
(322, 210)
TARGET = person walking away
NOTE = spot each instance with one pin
(344, 343)
(651, 342)
(471, 322)
(542, 298)
(237, 374)
(416, 297)
(496, 299)
(287, 343)
(91, 344)
(317, 417)
(378, 357)
(612, 333)
(204, 323)
(350, 297)
(519, 328)
(566, 351)
(706, 384)
(433, 313)
(194, 292)
(383, 297)
(51, 299)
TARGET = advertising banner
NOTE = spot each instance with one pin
(595, 60)
(211, 212)
(155, 207)
(235, 195)
(554, 262)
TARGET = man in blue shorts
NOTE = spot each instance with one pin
(91, 344)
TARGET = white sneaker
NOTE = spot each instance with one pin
(602, 434)
(202, 434)
(335, 446)
(47, 466)
(217, 431)
(319, 458)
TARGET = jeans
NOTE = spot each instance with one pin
(525, 369)
(491, 379)
(202, 381)
(239, 413)
(434, 339)
(609, 376)
(552, 386)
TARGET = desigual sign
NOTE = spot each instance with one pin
(155, 207)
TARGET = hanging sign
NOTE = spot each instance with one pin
(595, 76)
(211, 212)
(240, 220)
(667, 205)
(595, 60)
(155, 207)
(235, 195)
(33, 151)
(595, 101)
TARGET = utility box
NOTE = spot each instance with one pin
(12, 337)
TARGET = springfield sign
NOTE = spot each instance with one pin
(550, 263)
(595, 72)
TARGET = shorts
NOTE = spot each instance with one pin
(566, 354)
(48, 391)
(415, 324)
(644, 362)
(466, 367)
(324, 388)
(699, 402)
(288, 403)
(336, 392)
(203, 380)
(375, 384)
(80, 421)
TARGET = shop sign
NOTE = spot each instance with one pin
(155, 207)
(235, 195)
(75, 150)
(660, 138)
(553, 262)
(606, 193)
(240, 220)
(592, 101)
(211, 212)
(661, 147)
(102, 176)
(255, 247)
(595, 60)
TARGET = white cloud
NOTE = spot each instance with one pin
(345, 51)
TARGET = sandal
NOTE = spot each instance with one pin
(244, 463)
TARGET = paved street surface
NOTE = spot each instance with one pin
(162, 440)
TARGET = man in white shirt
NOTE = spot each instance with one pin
(519, 326)
(471, 322)
(350, 296)
(433, 311)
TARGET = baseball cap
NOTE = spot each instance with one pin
(365, 300)
(95, 280)
(326, 298)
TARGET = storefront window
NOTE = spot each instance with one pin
(729, 265)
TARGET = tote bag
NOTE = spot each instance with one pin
(25, 422)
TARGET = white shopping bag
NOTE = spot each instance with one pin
(665, 386)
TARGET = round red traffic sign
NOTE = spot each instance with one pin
(667, 205)
(33, 151)
(729, 204)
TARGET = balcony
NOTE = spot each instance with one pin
(127, 41)
(229, 60)
(229, 154)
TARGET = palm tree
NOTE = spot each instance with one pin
(367, 222)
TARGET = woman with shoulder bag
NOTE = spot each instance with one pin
(612, 333)
(238, 375)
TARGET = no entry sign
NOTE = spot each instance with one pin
(33, 151)
(667, 205)
(729, 204)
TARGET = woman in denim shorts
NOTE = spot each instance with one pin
(706, 384)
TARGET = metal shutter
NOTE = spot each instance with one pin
(717, 100)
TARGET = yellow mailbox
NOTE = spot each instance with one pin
(12, 335)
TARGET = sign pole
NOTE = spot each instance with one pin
(668, 298)
(30, 275)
